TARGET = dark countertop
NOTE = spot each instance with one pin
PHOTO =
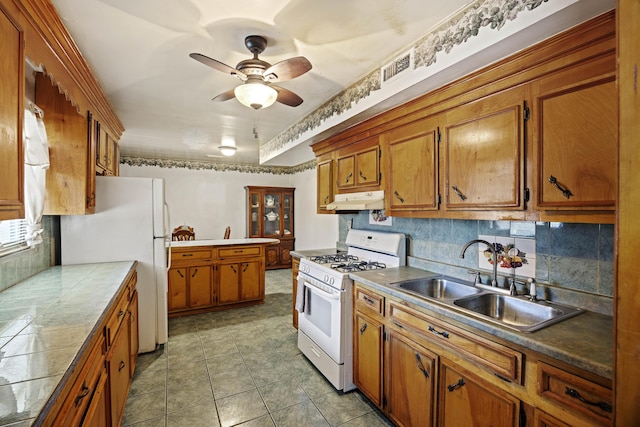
(584, 341)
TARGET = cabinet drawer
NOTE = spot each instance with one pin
(117, 316)
(574, 392)
(81, 392)
(502, 361)
(369, 301)
(239, 251)
(191, 254)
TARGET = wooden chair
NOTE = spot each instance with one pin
(227, 232)
(184, 232)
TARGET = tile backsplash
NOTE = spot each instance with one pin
(569, 260)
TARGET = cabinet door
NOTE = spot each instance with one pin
(11, 107)
(466, 400)
(177, 288)
(413, 166)
(367, 363)
(578, 147)
(250, 278)
(272, 256)
(325, 184)
(295, 266)
(199, 289)
(134, 344)
(98, 411)
(410, 373)
(346, 167)
(368, 167)
(483, 153)
(228, 283)
(118, 361)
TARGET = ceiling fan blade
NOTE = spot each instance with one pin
(224, 96)
(287, 69)
(217, 65)
(285, 96)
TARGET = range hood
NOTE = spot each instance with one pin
(358, 201)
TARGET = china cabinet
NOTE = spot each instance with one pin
(270, 215)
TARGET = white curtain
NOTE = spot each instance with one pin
(36, 163)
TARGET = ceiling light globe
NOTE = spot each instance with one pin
(256, 95)
(227, 150)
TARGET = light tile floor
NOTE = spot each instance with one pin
(240, 367)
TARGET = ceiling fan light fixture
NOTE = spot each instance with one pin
(256, 95)
(227, 150)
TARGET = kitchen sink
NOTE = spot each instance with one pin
(437, 288)
(515, 312)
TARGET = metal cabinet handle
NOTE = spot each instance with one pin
(346, 180)
(368, 300)
(444, 334)
(122, 365)
(326, 199)
(398, 196)
(452, 387)
(565, 191)
(576, 395)
(121, 313)
(194, 273)
(245, 266)
(458, 192)
(363, 328)
(180, 273)
(233, 268)
(362, 176)
(84, 392)
(420, 366)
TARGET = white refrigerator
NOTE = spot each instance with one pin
(131, 222)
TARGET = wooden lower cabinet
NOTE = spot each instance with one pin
(295, 266)
(467, 400)
(367, 367)
(190, 287)
(410, 394)
(240, 282)
(119, 372)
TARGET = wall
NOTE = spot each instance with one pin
(573, 262)
(22, 265)
(211, 200)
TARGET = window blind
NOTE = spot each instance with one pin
(12, 234)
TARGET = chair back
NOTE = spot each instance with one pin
(184, 232)
(227, 232)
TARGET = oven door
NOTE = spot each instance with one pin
(322, 316)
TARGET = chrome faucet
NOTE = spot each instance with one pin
(494, 282)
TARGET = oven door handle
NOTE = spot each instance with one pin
(325, 294)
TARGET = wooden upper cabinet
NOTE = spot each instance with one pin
(107, 156)
(412, 154)
(69, 188)
(358, 166)
(324, 172)
(483, 153)
(11, 108)
(576, 128)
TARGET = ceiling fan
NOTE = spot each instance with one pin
(258, 91)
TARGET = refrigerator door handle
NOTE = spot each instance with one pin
(167, 234)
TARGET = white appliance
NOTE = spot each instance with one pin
(131, 222)
(325, 295)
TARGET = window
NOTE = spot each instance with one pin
(12, 234)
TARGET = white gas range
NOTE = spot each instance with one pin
(325, 300)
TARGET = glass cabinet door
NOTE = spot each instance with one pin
(255, 215)
(272, 214)
(287, 214)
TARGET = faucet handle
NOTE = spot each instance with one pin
(477, 280)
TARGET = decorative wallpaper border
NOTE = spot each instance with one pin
(218, 167)
(459, 29)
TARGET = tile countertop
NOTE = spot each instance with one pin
(584, 341)
(223, 242)
(45, 323)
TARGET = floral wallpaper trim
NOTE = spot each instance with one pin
(218, 167)
(459, 29)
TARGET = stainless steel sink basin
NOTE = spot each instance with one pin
(516, 312)
(437, 288)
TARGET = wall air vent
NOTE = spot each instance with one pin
(397, 66)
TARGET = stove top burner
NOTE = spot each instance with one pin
(347, 267)
(335, 258)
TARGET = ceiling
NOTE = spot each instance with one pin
(139, 51)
